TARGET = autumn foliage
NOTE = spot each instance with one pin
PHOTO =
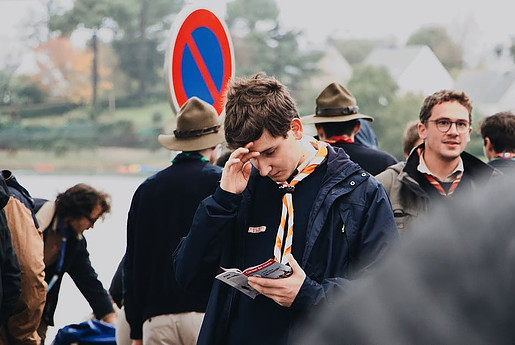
(65, 71)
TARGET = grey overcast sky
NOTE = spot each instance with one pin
(479, 25)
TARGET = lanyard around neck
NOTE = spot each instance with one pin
(60, 262)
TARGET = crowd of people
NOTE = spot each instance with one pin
(368, 237)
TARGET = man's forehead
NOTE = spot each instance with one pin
(263, 147)
(265, 142)
(450, 110)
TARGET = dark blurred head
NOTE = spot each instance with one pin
(410, 138)
(500, 128)
(332, 129)
(450, 282)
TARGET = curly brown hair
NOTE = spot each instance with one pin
(443, 96)
(78, 201)
(255, 104)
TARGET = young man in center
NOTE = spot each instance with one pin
(285, 196)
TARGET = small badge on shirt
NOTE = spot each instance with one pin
(257, 229)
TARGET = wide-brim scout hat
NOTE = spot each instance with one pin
(335, 104)
(198, 128)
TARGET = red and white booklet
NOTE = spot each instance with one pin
(269, 269)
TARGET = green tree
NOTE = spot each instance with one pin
(90, 14)
(26, 91)
(142, 28)
(6, 77)
(260, 44)
(437, 38)
(512, 51)
(389, 125)
(373, 88)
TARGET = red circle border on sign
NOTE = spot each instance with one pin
(200, 18)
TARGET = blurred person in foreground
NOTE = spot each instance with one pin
(439, 167)
(287, 197)
(337, 123)
(158, 310)
(498, 133)
(450, 282)
(22, 325)
(10, 274)
(63, 223)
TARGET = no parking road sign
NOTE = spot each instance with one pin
(199, 59)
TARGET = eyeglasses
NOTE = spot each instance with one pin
(443, 125)
(92, 221)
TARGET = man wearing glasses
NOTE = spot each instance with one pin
(439, 167)
(62, 222)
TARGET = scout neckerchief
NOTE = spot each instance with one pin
(184, 156)
(435, 183)
(505, 155)
(281, 251)
(60, 262)
(339, 139)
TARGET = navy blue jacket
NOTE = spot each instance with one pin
(160, 215)
(372, 160)
(350, 226)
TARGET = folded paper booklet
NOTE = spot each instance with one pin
(239, 280)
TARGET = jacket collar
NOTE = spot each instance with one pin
(47, 220)
(342, 176)
(46, 216)
(475, 168)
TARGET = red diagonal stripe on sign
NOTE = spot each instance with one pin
(202, 67)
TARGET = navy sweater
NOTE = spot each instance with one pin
(160, 215)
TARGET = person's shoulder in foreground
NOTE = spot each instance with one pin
(10, 273)
(451, 282)
(498, 133)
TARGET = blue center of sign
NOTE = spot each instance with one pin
(193, 79)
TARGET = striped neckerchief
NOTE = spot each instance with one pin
(339, 139)
(281, 253)
(454, 177)
(505, 155)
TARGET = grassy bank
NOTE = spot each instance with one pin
(102, 160)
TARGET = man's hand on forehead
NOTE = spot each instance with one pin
(236, 172)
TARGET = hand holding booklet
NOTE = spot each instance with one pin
(269, 269)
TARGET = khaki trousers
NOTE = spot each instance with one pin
(172, 329)
(123, 330)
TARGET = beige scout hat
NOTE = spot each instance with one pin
(198, 128)
(335, 104)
